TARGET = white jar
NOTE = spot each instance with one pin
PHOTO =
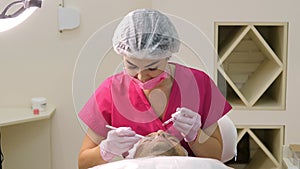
(39, 103)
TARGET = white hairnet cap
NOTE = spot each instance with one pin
(146, 34)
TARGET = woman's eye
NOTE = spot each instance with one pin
(152, 69)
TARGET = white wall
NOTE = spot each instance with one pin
(37, 60)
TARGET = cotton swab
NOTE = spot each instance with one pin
(114, 128)
(167, 122)
(171, 119)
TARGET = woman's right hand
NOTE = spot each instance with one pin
(118, 141)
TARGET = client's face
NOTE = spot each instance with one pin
(159, 144)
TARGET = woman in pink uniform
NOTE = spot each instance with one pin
(150, 91)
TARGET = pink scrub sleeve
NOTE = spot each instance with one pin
(96, 112)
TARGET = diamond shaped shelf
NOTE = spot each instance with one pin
(252, 62)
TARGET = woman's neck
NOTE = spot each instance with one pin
(158, 97)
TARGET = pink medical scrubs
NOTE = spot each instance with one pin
(119, 102)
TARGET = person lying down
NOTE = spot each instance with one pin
(162, 150)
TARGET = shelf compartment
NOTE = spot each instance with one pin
(275, 35)
(228, 92)
(232, 94)
(261, 161)
(270, 139)
(249, 77)
(229, 36)
(273, 98)
(263, 144)
(260, 142)
(260, 80)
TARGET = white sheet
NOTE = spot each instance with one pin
(165, 162)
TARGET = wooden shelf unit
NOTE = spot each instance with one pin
(264, 147)
(252, 63)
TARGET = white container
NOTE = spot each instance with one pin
(39, 103)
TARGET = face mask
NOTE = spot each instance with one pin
(150, 84)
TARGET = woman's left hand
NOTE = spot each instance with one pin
(187, 122)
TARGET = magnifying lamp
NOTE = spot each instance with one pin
(16, 12)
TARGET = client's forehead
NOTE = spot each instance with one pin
(159, 143)
(161, 132)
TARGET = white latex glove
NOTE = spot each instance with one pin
(187, 123)
(118, 141)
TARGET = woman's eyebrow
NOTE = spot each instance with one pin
(130, 63)
(151, 64)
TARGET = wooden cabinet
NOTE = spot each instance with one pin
(252, 64)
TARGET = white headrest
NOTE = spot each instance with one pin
(229, 136)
